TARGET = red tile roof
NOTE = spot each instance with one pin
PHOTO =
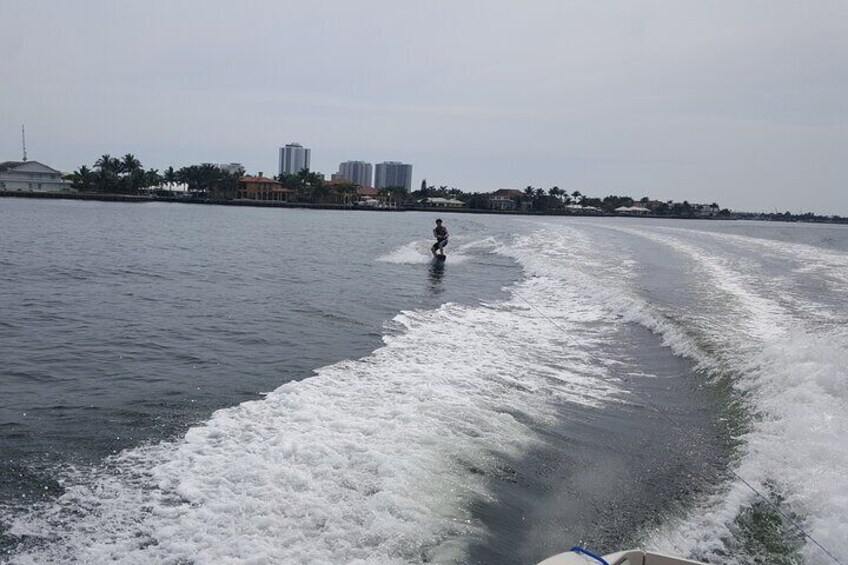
(507, 193)
(258, 179)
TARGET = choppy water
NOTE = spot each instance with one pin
(187, 384)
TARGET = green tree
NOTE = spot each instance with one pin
(170, 176)
(556, 192)
(152, 178)
(424, 192)
(312, 186)
(83, 179)
(291, 180)
(476, 200)
(132, 174)
(108, 171)
(394, 194)
(346, 190)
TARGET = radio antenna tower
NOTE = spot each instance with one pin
(23, 140)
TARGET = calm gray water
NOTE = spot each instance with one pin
(209, 384)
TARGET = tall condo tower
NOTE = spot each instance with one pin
(393, 173)
(293, 158)
(357, 172)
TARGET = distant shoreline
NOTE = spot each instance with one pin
(442, 210)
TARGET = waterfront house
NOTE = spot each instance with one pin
(706, 210)
(634, 210)
(580, 209)
(262, 188)
(439, 202)
(31, 176)
(367, 193)
(505, 199)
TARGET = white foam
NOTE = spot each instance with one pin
(370, 461)
(806, 261)
(795, 381)
(418, 252)
(412, 253)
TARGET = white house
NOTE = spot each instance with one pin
(505, 199)
(443, 202)
(31, 176)
(632, 210)
(706, 210)
(581, 208)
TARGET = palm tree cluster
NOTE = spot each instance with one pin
(127, 176)
(207, 181)
(114, 175)
(310, 186)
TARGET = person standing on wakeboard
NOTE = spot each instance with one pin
(441, 233)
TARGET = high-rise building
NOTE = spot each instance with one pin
(231, 168)
(294, 157)
(357, 172)
(393, 173)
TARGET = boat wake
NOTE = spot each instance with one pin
(382, 459)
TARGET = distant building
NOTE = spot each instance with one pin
(231, 168)
(579, 208)
(505, 199)
(706, 210)
(393, 173)
(262, 188)
(31, 176)
(357, 172)
(294, 157)
(632, 210)
(442, 202)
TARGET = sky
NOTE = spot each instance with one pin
(740, 103)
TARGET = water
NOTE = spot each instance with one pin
(192, 384)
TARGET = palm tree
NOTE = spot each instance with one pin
(107, 173)
(290, 180)
(394, 194)
(189, 176)
(129, 164)
(152, 178)
(133, 173)
(208, 180)
(577, 196)
(107, 163)
(529, 193)
(346, 190)
(170, 176)
(424, 192)
(83, 179)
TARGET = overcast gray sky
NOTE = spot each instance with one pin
(740, 102)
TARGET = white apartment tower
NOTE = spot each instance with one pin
(294, 157)
(357, 172)
(393, 173)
